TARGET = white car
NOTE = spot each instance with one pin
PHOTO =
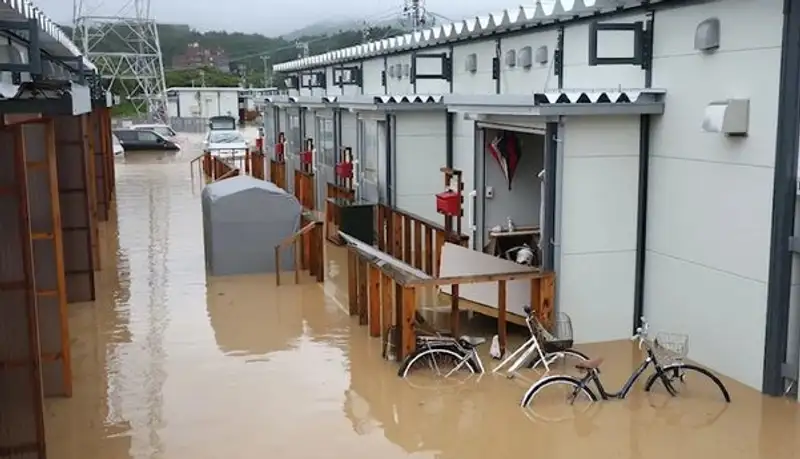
(225, 143)
(116, 146)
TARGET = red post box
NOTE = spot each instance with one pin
(449, 203)
(306, 158)
(344, 170)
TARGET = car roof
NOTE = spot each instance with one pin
(150, 126)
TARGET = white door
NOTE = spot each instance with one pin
(369, 162)
(382, 161)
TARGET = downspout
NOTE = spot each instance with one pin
(389, 157)
(642, 192)
(448, 128)
(784, 196)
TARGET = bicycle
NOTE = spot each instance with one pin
(446, 354)
(543, 346)
(670, 374)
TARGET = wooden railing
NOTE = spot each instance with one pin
(304, 189)
(384, 294)
(412, 239)
(335, 197)
(213, 168)
(306, 241)
(277, 173)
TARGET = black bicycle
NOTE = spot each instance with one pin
(672, 375)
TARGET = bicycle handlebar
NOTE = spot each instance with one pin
(641, 332)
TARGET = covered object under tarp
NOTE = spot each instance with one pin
(243, 220)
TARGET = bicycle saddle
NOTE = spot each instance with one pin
(471, 341)
(592, 364)
(527, 309)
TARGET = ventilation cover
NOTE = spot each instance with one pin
(542, 55)
(471, 63)
(524, 57)
(511, 58)
(706, 36)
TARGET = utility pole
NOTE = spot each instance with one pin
(202, 78)
(267, 75)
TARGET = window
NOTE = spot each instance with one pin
(127, 136)
(164, 131)
(147, 136)
(225, 137)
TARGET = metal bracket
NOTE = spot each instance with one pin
(794, 244)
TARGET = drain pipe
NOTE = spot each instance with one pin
(549, 203)
(641, 220)
(784, 196)
(389, 160)
(558, 207)
(448, 128)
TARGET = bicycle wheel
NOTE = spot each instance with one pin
(570, 355)
(437, 367)
(678, 376)
(555, 398)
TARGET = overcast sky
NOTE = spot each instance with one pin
(270, 17)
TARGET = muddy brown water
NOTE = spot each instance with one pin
(168, 364)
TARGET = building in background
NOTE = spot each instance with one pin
(197, 56)
(205, 102)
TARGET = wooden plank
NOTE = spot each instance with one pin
(437, 250)
(298, 256)
(399, 291)
(418, 244)
(362, 292)
(374, 301)
(478, 278)
(501, 315)
(430, 260)
(408, 313)
(397, 236)
(381, 226)
(407, 241)
(387, 321)
(91, 189)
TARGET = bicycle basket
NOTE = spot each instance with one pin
(560, 338)
(670, 347)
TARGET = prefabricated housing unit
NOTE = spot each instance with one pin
(645, 143)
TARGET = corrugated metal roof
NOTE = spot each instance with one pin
(25, 9)
(511, 19)
(408, 99)
(598, 96)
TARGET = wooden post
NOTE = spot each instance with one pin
(352, 282)
(501, 314)
(547, 292)
(387, 321)
(374, 301)
(399, 292)
(408, 340)
(454, 312)
(320, 250)
(381, 226)
(277, 265)
(362, 292)
(91, 182)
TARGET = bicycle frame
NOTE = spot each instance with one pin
(448, 342)
(592, 376)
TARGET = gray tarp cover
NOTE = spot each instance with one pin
(243, 220)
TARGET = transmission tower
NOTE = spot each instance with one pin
(416, 16)
(122, 41)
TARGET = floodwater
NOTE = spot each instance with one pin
(168, 364)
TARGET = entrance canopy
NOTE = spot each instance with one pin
(296, 101)
(562, 103)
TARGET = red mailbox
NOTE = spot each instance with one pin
(306, 157)
(344, 170)
(279, 151)
(448, 203)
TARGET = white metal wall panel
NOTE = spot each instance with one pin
(710, 197)
(401, 84)
(598, 225)
(228, 104)
(481, 81)
(369, 164)
(420, 153)
(326, 157)
(578, 73)
(538, 78)
(332, 87)
(371, 76)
